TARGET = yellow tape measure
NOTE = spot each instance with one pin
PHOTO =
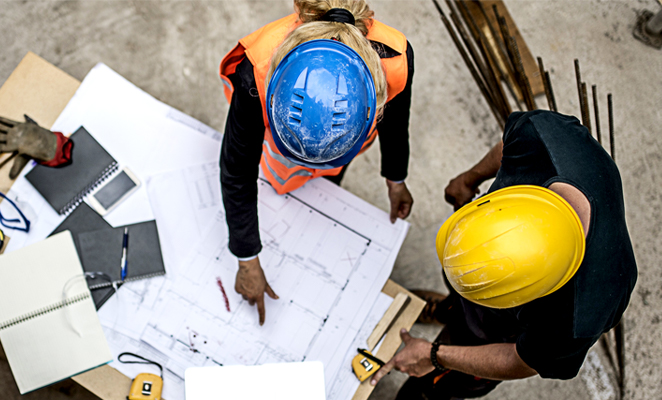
(144, 386)
(365, 364)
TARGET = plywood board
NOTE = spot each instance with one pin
(390, 315)
(105, 382)
(392, 339)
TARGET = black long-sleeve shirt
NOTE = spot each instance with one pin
(242, 149)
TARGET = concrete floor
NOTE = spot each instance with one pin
(172, 50)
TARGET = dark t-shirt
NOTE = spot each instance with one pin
(242, 149)
(554, 333)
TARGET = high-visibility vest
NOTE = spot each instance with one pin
(284, 175)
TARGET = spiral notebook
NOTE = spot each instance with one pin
(49, 327)
(64, 188)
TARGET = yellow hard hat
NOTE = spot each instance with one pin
(511, 246)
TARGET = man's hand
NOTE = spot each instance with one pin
(413, 360)
(401, 200)
(251, 284)
(462, 189)
(27, 139)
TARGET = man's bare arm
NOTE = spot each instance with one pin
(498, 361)
(464, 187)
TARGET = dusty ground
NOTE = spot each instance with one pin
(172, 50)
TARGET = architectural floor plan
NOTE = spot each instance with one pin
(328, 272)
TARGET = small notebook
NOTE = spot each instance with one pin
(48, 324)
(99, 247)
(82, 219)
(101, 250)
(64, 188)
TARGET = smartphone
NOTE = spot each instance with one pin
(112, 191)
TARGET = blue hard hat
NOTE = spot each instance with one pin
(321, 104)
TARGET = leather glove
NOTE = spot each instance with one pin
(29, 140)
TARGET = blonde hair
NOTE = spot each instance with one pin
(310, 12)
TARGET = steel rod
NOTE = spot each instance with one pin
(501, 45)
(545, 83)
(610, 107)
(467, 61)
(585, 112)
(516, 60)
(607, 345)
(594, 89)
(524, 80)
(502, 57)
(582, 107)
(481, 68)
(551, 92)
(620, 355)
(485, 49)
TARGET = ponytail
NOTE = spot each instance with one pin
(311, 13)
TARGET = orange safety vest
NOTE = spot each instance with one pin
(284, 175)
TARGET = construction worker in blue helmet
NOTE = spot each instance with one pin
(537, 269)
(307, 94)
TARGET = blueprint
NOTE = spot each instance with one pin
(327, 254)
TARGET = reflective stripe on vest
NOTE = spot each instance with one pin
(279, 157)
(259, 46)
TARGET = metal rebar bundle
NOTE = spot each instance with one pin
(472, 69)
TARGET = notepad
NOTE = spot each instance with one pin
(65, 187)
(48, 335)
(102, 250)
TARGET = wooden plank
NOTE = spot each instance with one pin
(105, 382)
(530, 65)
(392, 340)
(38, 89)
(389, 316)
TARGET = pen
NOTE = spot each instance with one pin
(125, 245)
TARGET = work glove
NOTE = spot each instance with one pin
(28, 140)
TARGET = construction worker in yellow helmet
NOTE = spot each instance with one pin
(537, 269)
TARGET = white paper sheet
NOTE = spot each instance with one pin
(328, 275)
(284, 381)
(139, 131)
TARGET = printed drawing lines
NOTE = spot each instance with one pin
(325, 253)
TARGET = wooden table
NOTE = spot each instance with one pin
(41, 90)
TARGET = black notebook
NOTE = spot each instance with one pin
(83, 219)
(101, 251)
(97, 246)
(64, 188)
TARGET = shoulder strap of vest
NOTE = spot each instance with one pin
(391, 37)
(261, 44)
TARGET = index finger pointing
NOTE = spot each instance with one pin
(382, 371)
(260, 307)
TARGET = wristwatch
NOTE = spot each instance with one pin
(433, 357)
